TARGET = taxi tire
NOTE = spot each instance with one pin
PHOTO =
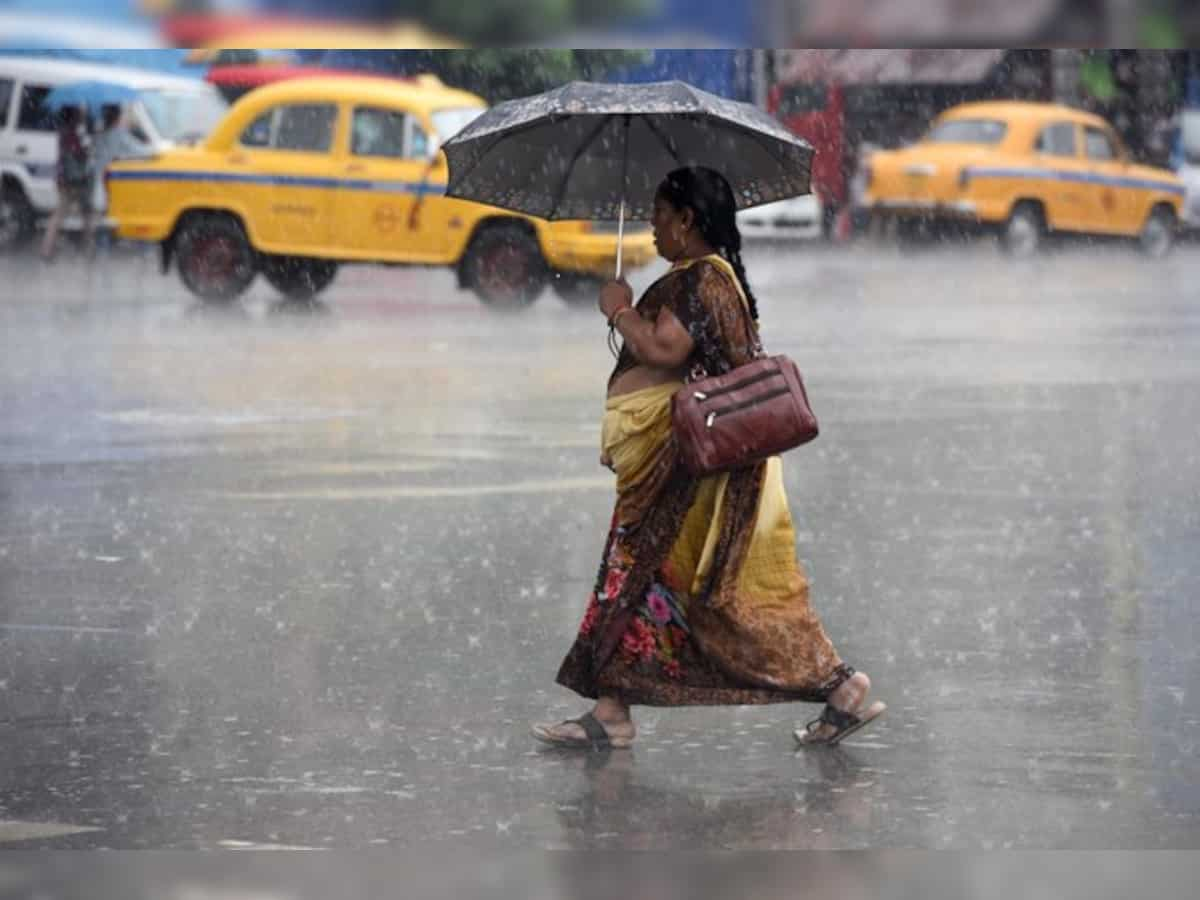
(17, 218)
(190, 239)
(575, 289)
(509, 238)
(1022, 234)
(1158, 234)
(298, 277)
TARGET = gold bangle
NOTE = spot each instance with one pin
(617, 315)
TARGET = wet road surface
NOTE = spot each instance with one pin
(284, 579)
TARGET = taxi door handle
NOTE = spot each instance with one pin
(237, 158)
(356, 167)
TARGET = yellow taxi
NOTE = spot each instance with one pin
(1026, 169)
(304, 175)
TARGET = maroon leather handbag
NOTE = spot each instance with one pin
(729, 421)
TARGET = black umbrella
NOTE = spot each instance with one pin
(599, 151)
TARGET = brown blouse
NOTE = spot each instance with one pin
(708, 305)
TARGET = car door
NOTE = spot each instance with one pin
(35, 142)
(283, 169)
(1113, 199)
(386, 170)
(1066, 189)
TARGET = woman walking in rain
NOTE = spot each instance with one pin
(700, 599)
(73, 180)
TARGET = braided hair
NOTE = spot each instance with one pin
(709, 196)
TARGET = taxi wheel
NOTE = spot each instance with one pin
(1022, 235)
(216, 262)
(505, 268)
(16, 219)
(298, 278)
(1158, 234)
(577, 290)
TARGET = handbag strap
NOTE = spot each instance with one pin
(726, 268)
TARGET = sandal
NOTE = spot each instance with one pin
(597, 736)
(845, 723)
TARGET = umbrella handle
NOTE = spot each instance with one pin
(620, 237)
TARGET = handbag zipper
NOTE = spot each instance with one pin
(754, 401)
(761, 376)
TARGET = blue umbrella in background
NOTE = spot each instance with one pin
(92, 94)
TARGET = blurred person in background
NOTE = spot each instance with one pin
(73, 178)
(113, 141)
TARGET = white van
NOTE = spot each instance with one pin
(170, 110)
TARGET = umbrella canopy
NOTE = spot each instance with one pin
(593, 151)
(92, 94)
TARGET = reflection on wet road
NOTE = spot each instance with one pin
(271, 578)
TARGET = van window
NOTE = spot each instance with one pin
(6, 87)
(306, 127)
(1057, 140)
(183, 116)
(34, 115)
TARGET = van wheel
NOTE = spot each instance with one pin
(297, 277)
(1023, 232)
(1158, 234)
(17, 219)
(216, 261)
(505, 268)
(576, 289)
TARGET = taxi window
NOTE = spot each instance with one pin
(305, 127)
(6, 87)
(1099, 145)
(34, 115)
(258, 133)
(387, 133)
(377, 132)
(1057, 140)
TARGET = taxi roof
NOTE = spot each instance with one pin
(378, 89)
(1022, 109)
(360, 87)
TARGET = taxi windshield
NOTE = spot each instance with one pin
(450, 121)
(968, 131)
(183, 116)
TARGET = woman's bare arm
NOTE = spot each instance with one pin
(663, 343)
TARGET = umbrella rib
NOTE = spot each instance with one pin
(662, 138)
(583, 146)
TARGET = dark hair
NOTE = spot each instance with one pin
(69, 117)
(110, 115)
(708, 195)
